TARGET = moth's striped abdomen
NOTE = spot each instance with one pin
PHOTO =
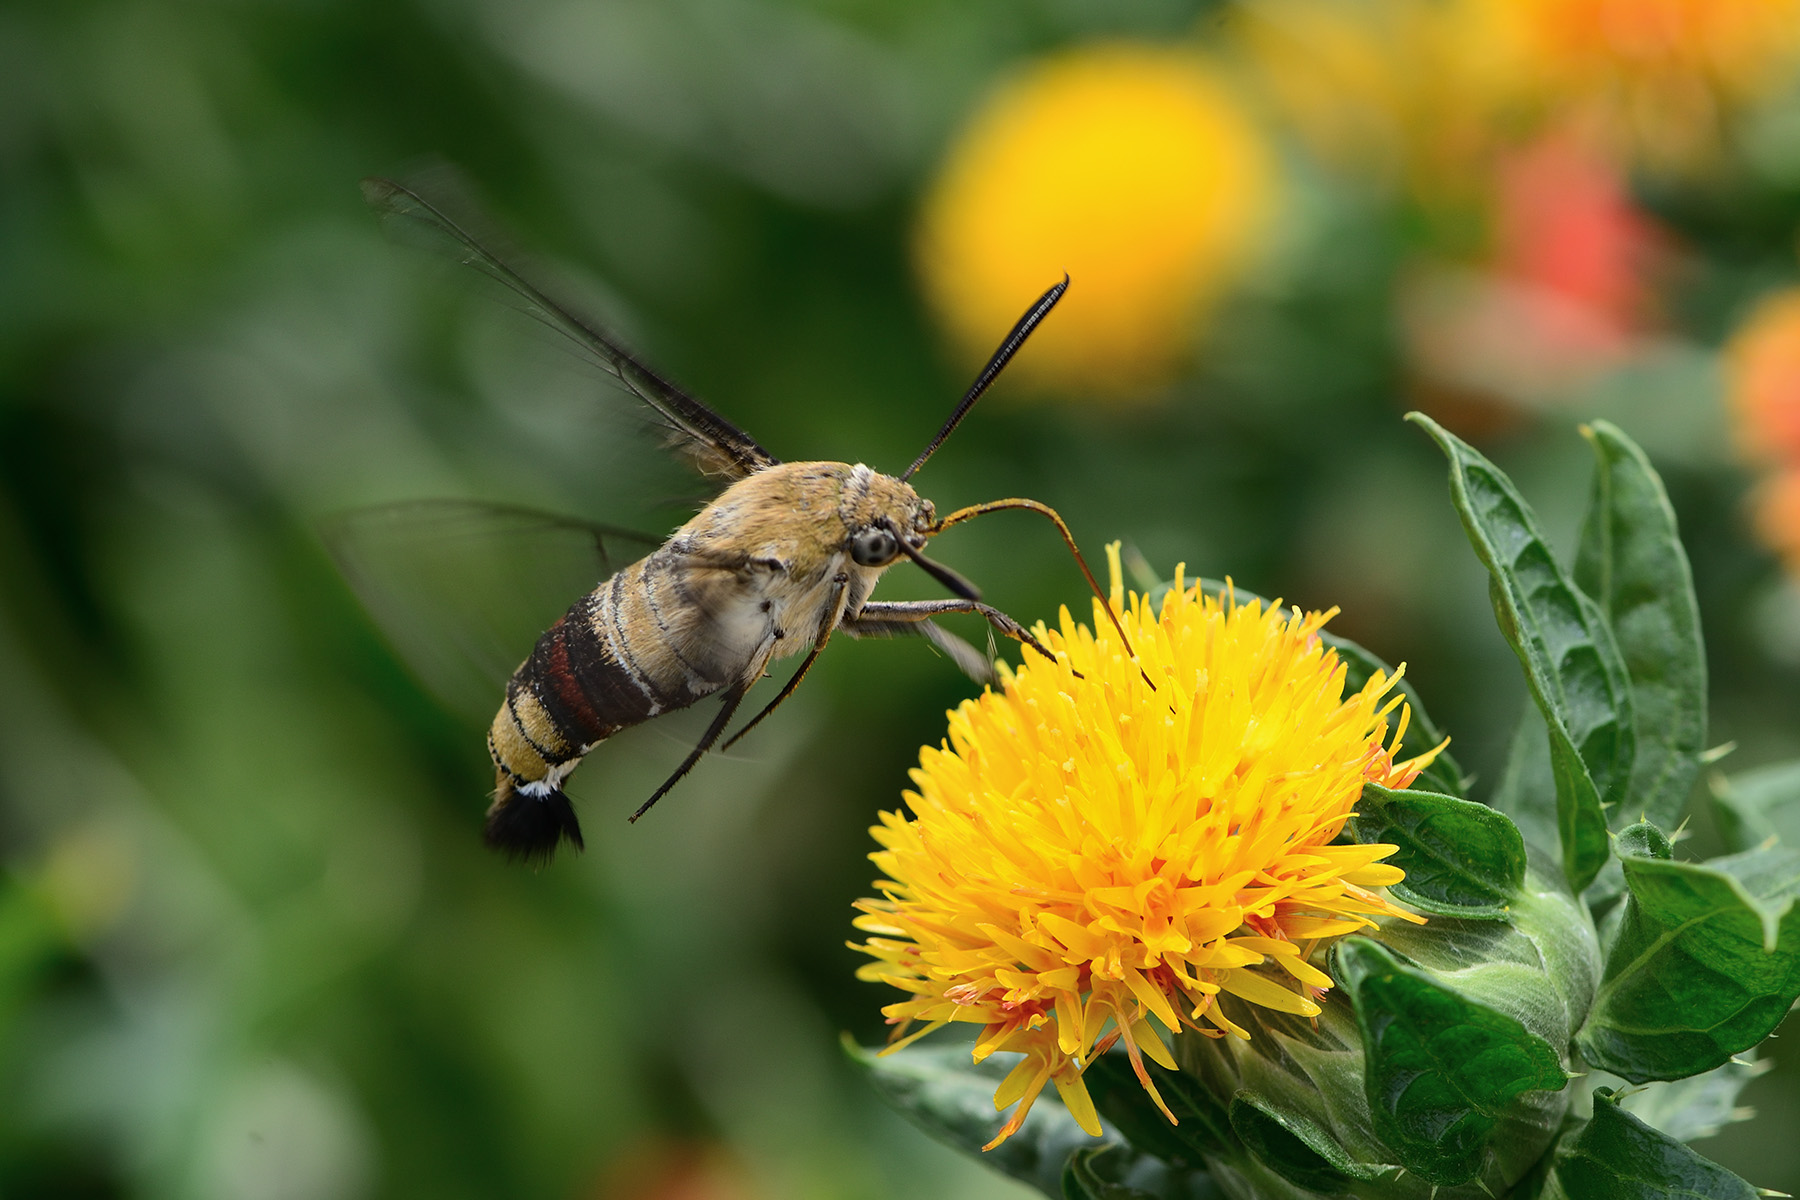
(607, 664)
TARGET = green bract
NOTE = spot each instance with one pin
(1466, 1057)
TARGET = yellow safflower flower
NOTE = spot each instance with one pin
(1086, 855)
(1130, 167)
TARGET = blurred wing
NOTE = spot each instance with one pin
(968, 660)
(463, 589)
(715, 445)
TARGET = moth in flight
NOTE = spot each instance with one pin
(786, 556)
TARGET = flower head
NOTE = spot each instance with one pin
(1733, 42)
(1656, 74)
(1777, 514)
(1563, 296)
(1130, 167)
(1762, 363)
(1406, 91)
(1090, 860)
(1762, 373)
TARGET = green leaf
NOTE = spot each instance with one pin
(1572, 666)
(1632, 563)
(1119, 1172)
(1705, 965)
(1296, 1148)
(1080, 1180)
(1536, 1183)
(1698, 1106)
(1754, 806)
(1526, 791)
(952, 1099)
(1201, 1127)
(1443, 775)
(1644, 840)
(940, 1091)
(1461, 859)
(1618, 1157)
(1442, 1070)
(1527, 794)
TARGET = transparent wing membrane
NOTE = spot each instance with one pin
(462, 589)
(714, 444)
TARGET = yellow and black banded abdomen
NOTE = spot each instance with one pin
(583, 682)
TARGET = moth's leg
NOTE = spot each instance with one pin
(833, 613)
(883, 611)
(733, 698)
(968, 659)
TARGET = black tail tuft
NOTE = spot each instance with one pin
(528, 828)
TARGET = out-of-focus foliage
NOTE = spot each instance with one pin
(249, 943)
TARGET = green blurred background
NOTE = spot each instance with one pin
(250, 944)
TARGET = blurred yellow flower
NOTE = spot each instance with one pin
(1762, 363)
(1130, 167)
(1402, 90)
(1657, 75)
(1085, 854)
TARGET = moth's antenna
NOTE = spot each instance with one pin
(1033, 315)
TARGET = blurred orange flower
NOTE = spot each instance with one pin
(1656, 74)
(1423, 89)
(1762, 372)
(1565, 222)
(1762, 363)
(1777, 510)
(1132, 168)
(1563, 294)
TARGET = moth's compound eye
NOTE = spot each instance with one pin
(873, 547)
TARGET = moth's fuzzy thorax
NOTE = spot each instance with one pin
(818, 505)
(870, 497)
